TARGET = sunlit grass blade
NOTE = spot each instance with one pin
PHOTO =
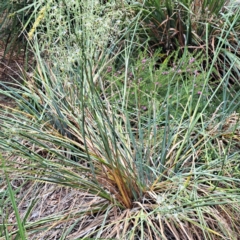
(20, 223)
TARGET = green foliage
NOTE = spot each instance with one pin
(13, 16)
(149, 80)
(208, 26)
(147, 138)
(181, 23)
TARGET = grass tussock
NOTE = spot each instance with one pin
(111, 140)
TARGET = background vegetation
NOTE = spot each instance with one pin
(128, 125)
(13, 16)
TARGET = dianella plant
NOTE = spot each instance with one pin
(144, 135)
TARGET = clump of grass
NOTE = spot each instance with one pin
(211, 27)
(150, 178)
(165, 172)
